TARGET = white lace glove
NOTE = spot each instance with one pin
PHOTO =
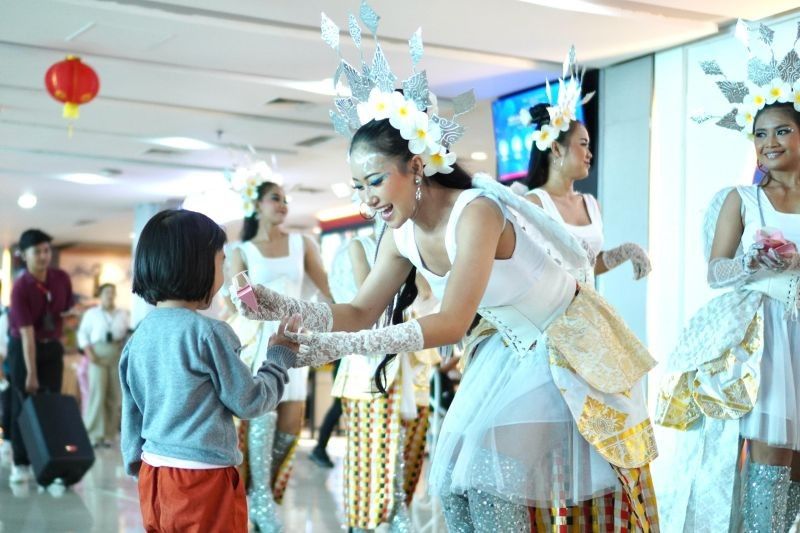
(727, 272)
(623, 252)
(275, 306)
(320, 348)
(772, 260)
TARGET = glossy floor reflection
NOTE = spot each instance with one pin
(106, 500)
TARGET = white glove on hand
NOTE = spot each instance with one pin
(772, 260)
(320, 348)
(634, 252)
(275, 306)
(726, 272)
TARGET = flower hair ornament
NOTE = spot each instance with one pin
(246, 179)
(562, 111)
(412, 110)
(769, 81)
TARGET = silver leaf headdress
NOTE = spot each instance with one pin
(769, 81)
(373, 96)
(562, 111)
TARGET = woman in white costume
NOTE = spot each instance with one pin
(552, 174)
(386, 428)
(537, 408)
(280, 261)
(737, 364)
(560, 158)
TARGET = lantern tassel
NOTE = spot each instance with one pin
(71, 111)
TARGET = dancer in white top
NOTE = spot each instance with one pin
(552, 173)
(736, 366)
(280, 261)
(546, 403)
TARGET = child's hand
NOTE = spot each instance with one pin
(292, 324)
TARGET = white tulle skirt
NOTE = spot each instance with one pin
(254, 336)
(509, 432)
(775, 418)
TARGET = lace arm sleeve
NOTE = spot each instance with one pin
(275, 306)
(320, 348)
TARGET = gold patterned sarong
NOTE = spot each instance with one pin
(724, 388)
(598, 364)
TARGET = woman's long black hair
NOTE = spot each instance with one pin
(381, 137)
(250, 225)
(788, 107)
(539, 163)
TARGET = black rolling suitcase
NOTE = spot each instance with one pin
(55, 438)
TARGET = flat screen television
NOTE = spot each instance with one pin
(513, 139)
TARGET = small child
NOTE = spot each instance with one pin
(182, 382)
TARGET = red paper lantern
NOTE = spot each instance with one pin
(72, 82)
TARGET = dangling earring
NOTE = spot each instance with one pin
(418, 194)
(561, 164)
(366, 212)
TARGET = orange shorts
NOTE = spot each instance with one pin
(181, 500)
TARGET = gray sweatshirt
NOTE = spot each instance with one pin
(182, 383)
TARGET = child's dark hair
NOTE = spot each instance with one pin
(383, 138)
(539, 163)
(175, 257)
(250, 224)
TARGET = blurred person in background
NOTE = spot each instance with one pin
(39, 298)
(101, 335)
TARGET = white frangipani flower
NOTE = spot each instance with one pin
(440, 161)
(796, 95)
(422, 134)
(745, 117)
(525, 116)
(403, 111)
(559, 118)
(756, 99)
(545, 137)
(377, 107)
(778, 91)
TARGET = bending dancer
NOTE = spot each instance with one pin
(390, 423)
(552, 174)
(737, 364)
(280, 261)
(540, 407)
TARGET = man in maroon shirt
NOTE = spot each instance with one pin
(39, 297)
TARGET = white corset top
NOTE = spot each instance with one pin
(530, 283)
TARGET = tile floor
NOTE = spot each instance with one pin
(106, 500)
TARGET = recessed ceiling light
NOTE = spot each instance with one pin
(131, 235)
(342, 190)
(183, 143)
(27, 200)
(87, 178)
(479, 156)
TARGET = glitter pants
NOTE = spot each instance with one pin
(478, 511)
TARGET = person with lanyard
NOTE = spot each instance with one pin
(101, 334)
(39, 298)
